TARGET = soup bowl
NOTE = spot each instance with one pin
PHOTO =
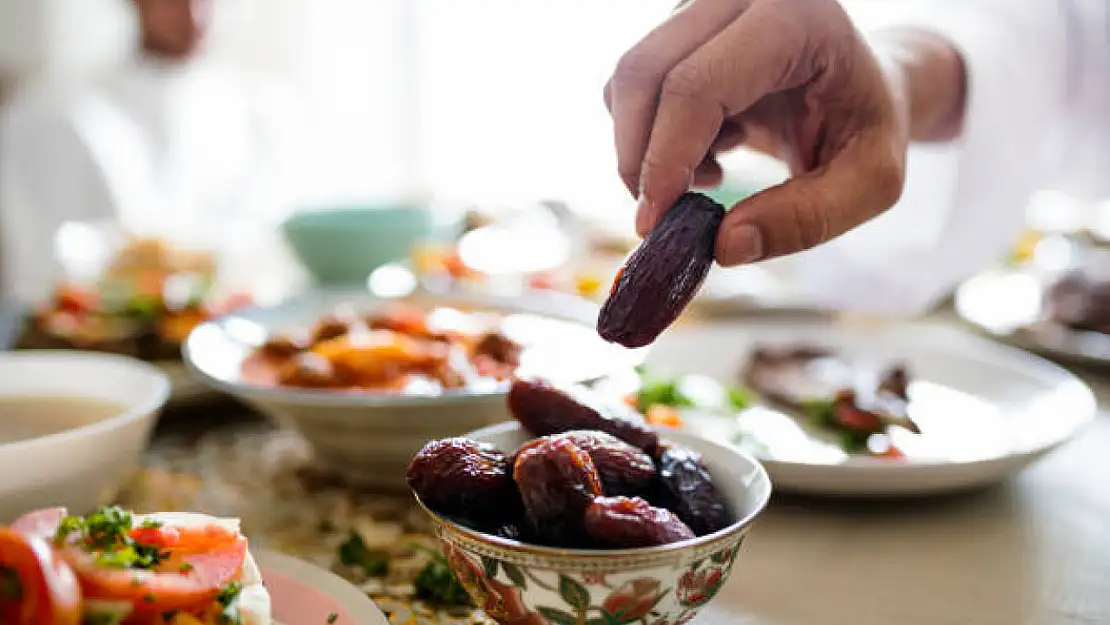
(524, 584)
(73, 427)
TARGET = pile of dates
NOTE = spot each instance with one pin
(594, 478)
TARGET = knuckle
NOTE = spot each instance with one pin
(637, 70)
(812, 225)
(685, 81)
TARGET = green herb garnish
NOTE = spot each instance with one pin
(11, 588)
(820, 411)
(107, 534)
(102, 618)
(229, 602)
(333, 617)
(436, 583)
(354, 552)
(740, 397)
(661, 393)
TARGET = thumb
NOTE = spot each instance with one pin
(858, 184)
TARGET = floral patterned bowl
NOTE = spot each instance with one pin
(521, 584)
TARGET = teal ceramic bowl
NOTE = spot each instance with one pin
(344, 245)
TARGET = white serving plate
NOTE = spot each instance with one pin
(986, 410)
(303, 593)
(370, 437)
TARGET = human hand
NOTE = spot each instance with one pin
(792, 78)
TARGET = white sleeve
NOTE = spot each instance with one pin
(47, 177)
(964, 202)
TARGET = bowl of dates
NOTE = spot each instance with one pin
(573, 514)
(367, 381)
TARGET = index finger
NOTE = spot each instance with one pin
(724, 77)
(632, 92)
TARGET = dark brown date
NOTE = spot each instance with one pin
(543, 410)
(624, 469)
(557, 482)
(663, 274)
(623, 523)
(685, 487)
(464, 478)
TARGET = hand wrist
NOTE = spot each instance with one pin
(929, 77)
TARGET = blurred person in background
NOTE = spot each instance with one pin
(168, 144)
(954, 115)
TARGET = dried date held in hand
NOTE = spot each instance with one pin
(685, 487)
(543, 410)
(557, 482)
(663, 274)
(623, 523)
(463, 478)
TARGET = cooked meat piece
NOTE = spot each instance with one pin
(499, 347)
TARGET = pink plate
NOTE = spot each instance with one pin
(303, 593)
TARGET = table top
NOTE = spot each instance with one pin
(1033, 550)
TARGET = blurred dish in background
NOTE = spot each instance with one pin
(370, 435)
(1055, 302)
(343, 245)
(138, 297)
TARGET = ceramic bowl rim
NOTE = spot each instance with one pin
(739, 526)
(155, 397)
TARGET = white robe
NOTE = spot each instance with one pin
(1038, 117)
(191, 151)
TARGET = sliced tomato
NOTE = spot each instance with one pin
(201, 561)
(70, 298)
(42, 523)
(36, 587)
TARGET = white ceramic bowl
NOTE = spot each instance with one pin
(371, 437)
(521, 584)
(82, 467)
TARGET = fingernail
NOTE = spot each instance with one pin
(744, 245)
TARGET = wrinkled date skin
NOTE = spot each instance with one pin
(623, 523)
(557, 482)
(624, 469)
(544, 410)
(685, 487)
(459, 477)
(663, 274)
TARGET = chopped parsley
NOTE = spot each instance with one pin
(689, 392)
(102, 618)
(10, 586)
(333, 617)
(436, 583)
(354, 552)
(229, 603)
(107, 534)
